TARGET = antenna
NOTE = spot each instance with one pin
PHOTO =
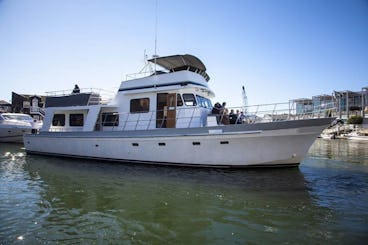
(145, 57)
(245, 100)
(156, 21)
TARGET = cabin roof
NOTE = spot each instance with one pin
(181, 62)
(78, 99)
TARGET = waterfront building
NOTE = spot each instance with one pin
(5, 106)
(302, 106)
(28, 104)
(323, 102)
(351, 103)
(364, 101)
(341, 104)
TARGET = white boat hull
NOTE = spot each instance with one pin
(13, 134)
(214, 147)
(327, 136)
(358, 138)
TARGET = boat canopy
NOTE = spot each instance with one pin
(182, 62)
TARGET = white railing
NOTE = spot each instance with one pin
(102, 96)
(136, 75)
(198, 117)
(188, 117)
(37, 110)
(286, 111)
(185, 118)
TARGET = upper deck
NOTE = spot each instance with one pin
(182, 62)
(86, 97)
(179, 71)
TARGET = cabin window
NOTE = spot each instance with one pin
(139, 105)
(204, 102)
(189, 100)
(58, 120)
(110, 119)
(76, 120)
(179, 101)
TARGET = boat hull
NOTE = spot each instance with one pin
(12, 134)
(269, 144)
(358, 138)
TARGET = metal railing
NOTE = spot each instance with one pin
(188, 117)
(185, 118)
(274, 112)
(37, 110)
(98, 96)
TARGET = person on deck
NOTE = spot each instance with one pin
(232, 117)
(216, 108)
(241, 118)
(76, 89)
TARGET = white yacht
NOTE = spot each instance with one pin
(165, 118)
(14, 125)
(357, 136)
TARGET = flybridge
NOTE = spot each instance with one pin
(182, 62)
(178, 71)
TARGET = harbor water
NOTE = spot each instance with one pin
(46, 200)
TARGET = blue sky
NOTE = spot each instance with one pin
(278, 49)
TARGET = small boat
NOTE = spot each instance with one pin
(356, 136)
(14, 125)
(328, 136)
(166, 117)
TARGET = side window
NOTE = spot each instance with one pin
(209, 104)
(204, 102)
(139, 105)
(76, 120)
(189, 100)
(200, 100)
(58, 120)
(179, 101)
(110, 119)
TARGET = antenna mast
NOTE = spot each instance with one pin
(245, 101)
(156, 20)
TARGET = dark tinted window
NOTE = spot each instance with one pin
(76, 119)
(189, 99)
(58, 120)
(110, 119)
(139, 105)
(179, 101)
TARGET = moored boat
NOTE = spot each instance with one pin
(357, 136)
(14, 125)
(328, 136)
(166, 118)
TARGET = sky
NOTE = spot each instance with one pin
(278, 49)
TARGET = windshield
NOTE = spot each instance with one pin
(17, 117)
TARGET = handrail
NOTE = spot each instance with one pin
(82, 90)
(104, 96)
(195, 117)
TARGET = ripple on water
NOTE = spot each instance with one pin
(52, 200)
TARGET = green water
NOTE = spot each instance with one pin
(48, 200)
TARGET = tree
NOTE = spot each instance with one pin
(355, 120)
